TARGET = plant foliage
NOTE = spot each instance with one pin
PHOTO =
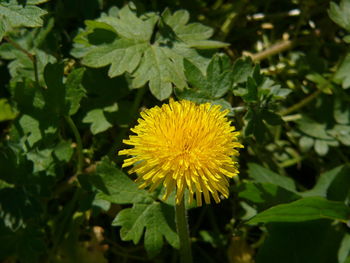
(74, 76)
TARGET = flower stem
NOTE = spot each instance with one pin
(273, 50)
(183, 232)
(302, 103)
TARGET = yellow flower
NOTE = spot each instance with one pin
(184, 145)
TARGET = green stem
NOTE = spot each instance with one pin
(302, 103)
(36, 72)
(79, 144)
(183, 232)
(135, 106)
(292, 117)
(273, 50)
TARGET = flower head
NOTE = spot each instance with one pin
(184, 145)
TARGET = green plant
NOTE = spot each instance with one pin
(74, 77)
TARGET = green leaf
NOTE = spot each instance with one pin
(193, 34)
(124, 55)
(341, 76)
(321, 82)
(40, 112)
(42, 161)
(214, 85)
(127, 25)
(31, 129)
(309, 208)
(341, 111)
(4, 26)
(252, 91)
(302, 242)
(4, 184)
(338, 190)
(324, 182)
(17, 207)
(63, 98)
(340, 13)
(75, 91)
(306, 143)
(63, 151)
(97, 32)
(313, 129)
(160, 67)
(98, 121)
(201, 96)
(255, 87)
(347, 39)
(6, 111)
(255, 126)
(320, 136)
(158, 62)
(211, 87)
(265, 195)
(321, 147)
(214, 238)
(26, 244)
(344, 250)
(268, 89)
(152, 218)
(271, 117)
(219, 78)
(193, 75)
(15, 168)
(242, 69)
(341, 133)
(21, 66)
(13, 15)
(263, 175)
(114, 186)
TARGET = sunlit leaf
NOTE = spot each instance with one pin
(158, 62)
(151, 219)
(309, 208)
(14, 15)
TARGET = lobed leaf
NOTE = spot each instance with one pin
(14, 15)
(98, 121)
(158, 61)
(341, 76)
(116, 187)
(211, 86)
(151, 218)
(340, 13)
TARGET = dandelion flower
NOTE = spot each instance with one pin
(184, 145)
